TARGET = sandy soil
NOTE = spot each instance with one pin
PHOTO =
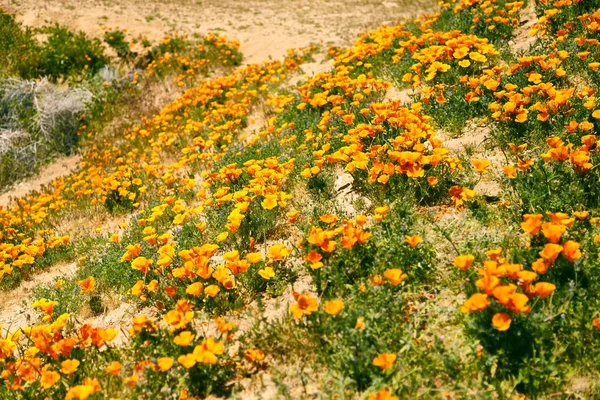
(265, 28)
(473, 142)
(522, 39)
(15, 307)
(58, 168)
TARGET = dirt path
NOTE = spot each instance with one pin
(15, 307)
(62, 166)
(522, 39)
(265, 28)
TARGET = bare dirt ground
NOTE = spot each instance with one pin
(265, 28)
(523, 39)
(15, 307)
(58, 168)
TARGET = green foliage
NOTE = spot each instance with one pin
(555, 186)
(19, 51)
(117, 41)
(63, 54)
(68, 54)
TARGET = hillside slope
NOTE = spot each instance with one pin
(419, 220)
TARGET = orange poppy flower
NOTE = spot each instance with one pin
(385, 360)
(413, 240)
(552, 231)
(253, 355)
(278, 252)
(360, 324)
(477, 302)
(81, 392)
(571, 250)
(518, 303)
(269, 202)
(170, 291)
(195, 289)
(463, 262)
(313, 256)
(333, 307)
(293, 216)
(551, 252)
(164, 363)
(114, 368)
(69, 366)
(460, 195)
(212, 290)
(207, 351)
(543, 289)
(305, 304)
(532, 223)
(49, 379)
(184, 338)
(501, 321)
(384, 394)
(526, 277)
(487, 282)
(254, 258)
(141, 264)
(480, 165)
(493, 254)
(187, 360)
(503, 293)
(231, 256)
(540, 266)
(328, 219)
(510, 171)
(394, 276)
(88, 285)
(266, 273)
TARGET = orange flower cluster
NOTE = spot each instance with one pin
(513, 285)
(488, 15)
(43, 345)
(439, 52)
(324, 242)
(496, 281)
(306, 304)
(580, 158)
(24, 253)
(553, 231)
(411, 152)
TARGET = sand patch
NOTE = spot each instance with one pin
(62, 166)
(522, 40)
(475, 142)
(15, 307)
